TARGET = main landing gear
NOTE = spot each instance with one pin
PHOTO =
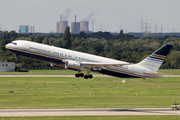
(88, 76)
(82, 75)
(79, 75)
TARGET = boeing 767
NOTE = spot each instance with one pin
(79, 61)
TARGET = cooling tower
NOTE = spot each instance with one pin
(84, 26)
(75, 27)
(63, 25)
(57, 27)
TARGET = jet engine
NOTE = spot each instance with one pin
(72, 65)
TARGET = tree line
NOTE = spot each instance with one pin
(122, 46)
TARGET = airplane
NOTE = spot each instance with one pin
(69, 59)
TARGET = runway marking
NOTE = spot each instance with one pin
(88, 111)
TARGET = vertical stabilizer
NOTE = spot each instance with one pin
(154, 61)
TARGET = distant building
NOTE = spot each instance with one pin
(7, 67)
(84, 26)
(57, 27)
(31, 29)
(23, 29)
(75, 27)
(26, 29)
(63, 25)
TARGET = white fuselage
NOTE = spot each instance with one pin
(57, 55)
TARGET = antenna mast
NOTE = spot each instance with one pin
(101, 27)
(161, 28)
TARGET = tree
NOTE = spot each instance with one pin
(57, 43)
(32, 37)
(51, 41)
(66, 39)
(126, 37)
(2, 45)
(38, 39)
(121, 34)
(82, 34)
(45, 40)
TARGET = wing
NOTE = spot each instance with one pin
(101, 65)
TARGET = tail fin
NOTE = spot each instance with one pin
(154, 61)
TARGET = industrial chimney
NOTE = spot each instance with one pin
(75, 27)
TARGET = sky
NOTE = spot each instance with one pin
(108, 15)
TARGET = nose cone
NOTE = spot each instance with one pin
(7, 46)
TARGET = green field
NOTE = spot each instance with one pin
(99, 92)
(132, 117)
(170, 71)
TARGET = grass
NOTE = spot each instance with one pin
(99, 92)
(132, 117)
(170, 71)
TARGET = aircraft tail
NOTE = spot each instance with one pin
(154, 61)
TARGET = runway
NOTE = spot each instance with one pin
(48, 75)
(68, 75)
(88, 111)
(37, 75)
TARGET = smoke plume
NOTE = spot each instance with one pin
(89, 17)
(65, 15)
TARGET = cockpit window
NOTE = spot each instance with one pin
(14, 43)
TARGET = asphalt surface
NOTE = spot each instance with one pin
(88, 111)
(67, 76)
(37, 75)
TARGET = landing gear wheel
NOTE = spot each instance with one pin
(90, 76)
(77, 75)
(81, 75)
(86, 76)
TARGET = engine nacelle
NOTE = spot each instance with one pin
(72, 64)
